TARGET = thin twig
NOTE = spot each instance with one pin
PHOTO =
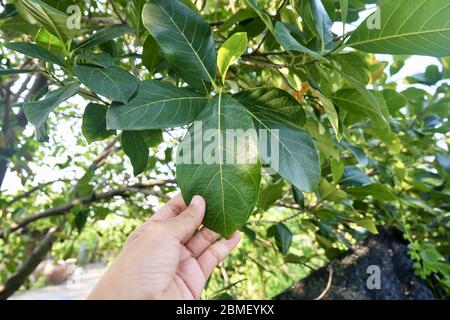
(327, 288)
(122, 19)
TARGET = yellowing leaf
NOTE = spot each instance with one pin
(230, 52)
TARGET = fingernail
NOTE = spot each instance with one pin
(197, 201)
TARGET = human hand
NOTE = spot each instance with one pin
(166, 257)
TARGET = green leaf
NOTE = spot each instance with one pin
(444, 161)
(49, 41)
(329, 192)
(37, 112)
(229, 183)
(298, 196)
(316, 18)
(378, 191)
(156, 105)
(352, 101)
(241, 15)
(80, 219)
(282, 235)
(337, 169)
(53, 20)
(35, 51)
(101, 59)
(331, 112)
(19, 26)
(288, 42)
(265, 17)
(152, 137)
(292, 258)
(94, 123)
(270, 192)
(354, 176)
(273, 103)
(104, 35)
(367, 223)
(230, 52)
(151, 56)
(185, 39)
(355, 64)
(298, 160)
(407, 27)
(136, 149)
(394, 100)
(136, 7)
(114, 83)
(343, 4)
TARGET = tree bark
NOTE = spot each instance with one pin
(347, 277)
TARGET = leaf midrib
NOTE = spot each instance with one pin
(410, 34)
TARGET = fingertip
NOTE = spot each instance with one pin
(234, 239)
(198, 202)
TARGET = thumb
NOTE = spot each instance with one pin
(187, 223)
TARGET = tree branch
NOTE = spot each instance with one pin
(34, 189)
(65, 208)
(26, 269)
(100, 20)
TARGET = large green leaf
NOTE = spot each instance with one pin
(228, 183)
(378, 191)
(53, 20)
(418, 27)
(135, 147)
(273, 103)
(265, 17)
(289, 43)
(37, 112)
(136, 7)
(104, 35)
(151, 55)
(394, 100)
(35, 51)
(114, 83)
(316, 19)
(101, 59)
(185, 39)
(94, 123)
(241, 15)
(230, 52)
(156, 105)
(352, 101)
(279, 114)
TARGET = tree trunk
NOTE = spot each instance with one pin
(351, 276)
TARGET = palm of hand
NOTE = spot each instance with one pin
(165, 258)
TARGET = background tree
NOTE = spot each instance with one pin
(359, 150)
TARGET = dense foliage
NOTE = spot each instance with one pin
(361, 146)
